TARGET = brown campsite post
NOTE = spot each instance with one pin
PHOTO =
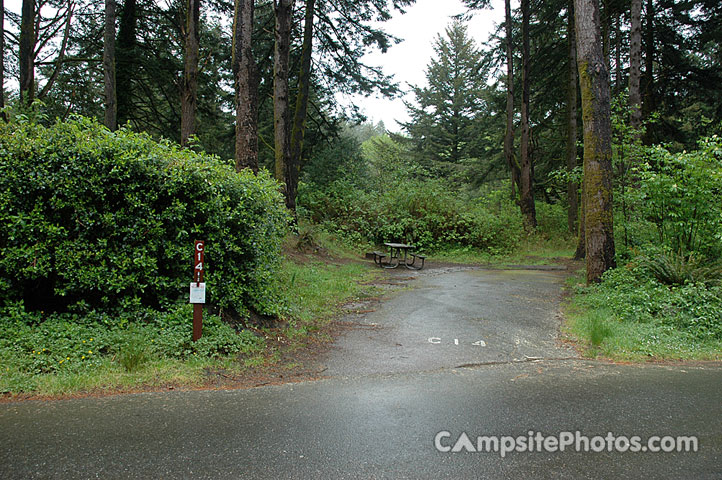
(198, 268)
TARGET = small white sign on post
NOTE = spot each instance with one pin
(198, 292)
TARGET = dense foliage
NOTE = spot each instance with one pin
(424, 213)
(101, 220)
(681, 195)
(632, 294)
(379, 193)
(666, 200)
(667, 298)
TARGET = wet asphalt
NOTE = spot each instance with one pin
(452, 318)
(473, 351)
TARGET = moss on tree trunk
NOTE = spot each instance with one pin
(597, 194)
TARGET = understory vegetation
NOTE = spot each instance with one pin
(95, 250)
(95, 266)
(664, 300)
(376, 193)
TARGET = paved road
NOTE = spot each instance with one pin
(456, 317)
(373, 422)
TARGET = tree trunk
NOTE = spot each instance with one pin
(111, 105)
(2, 59)
(597, 195)
(189, 89)
(649, 100)
(61, 52)
(604, 19)
(304, 82)
(635, 63)
(246, 79)
(581, 236)
(27, 53)
(527, 182)
(125, 60)
(281, 118)
(572, 187)
(509, 134)
(618, 55)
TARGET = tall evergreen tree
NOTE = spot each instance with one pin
(2, 58)
(281, 117)
(36, 33)
(444, 115)
(526, 191)
(27, 52)
(302, 97)
(509, 154)
(572, 187)
(111, 98)
(127, 64)
(635, 62)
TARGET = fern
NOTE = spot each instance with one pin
(674, 269)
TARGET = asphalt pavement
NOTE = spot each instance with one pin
(411, 387)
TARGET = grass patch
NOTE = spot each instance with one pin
(632, 317)
(51, 355)
(318, 286)
(315, 290)
(536, 249)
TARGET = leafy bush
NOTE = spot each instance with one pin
(680, 195)
(95, 220)
(423, 212)
(632, 294)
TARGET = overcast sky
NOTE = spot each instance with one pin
(407, 61)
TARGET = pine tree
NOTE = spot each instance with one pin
(444, 116)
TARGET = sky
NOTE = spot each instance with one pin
(407, 61)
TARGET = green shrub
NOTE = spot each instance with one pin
(679, 195)
(426, 213)
(94, 220)
(673, 269)
(552, 219)
(632, 294)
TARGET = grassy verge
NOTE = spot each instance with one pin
(631, 317)
(66, 356)
(537, 249)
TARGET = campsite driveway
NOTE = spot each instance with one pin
(456, 317)
(396, 378)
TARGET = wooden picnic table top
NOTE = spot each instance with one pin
(399, 245)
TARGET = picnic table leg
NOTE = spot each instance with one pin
(410, 266)
(391, 259)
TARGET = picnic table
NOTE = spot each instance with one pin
(395, 257)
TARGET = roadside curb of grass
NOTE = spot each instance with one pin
(596, 336)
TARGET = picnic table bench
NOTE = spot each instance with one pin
(395, 257)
